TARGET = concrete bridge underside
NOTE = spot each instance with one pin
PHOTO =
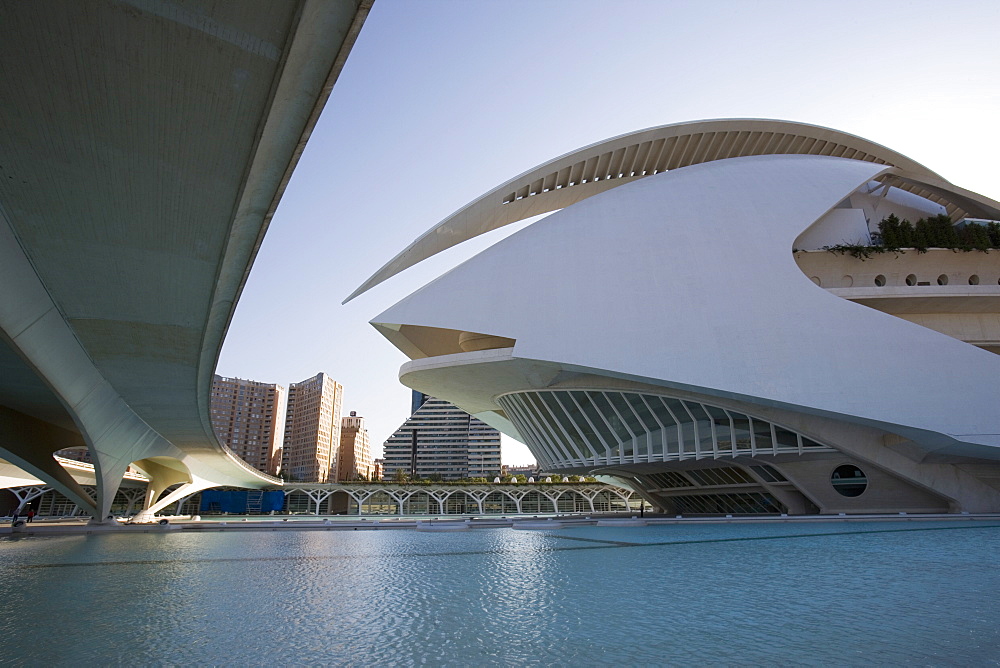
(143, 150)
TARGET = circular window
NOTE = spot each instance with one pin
(849, 480)
(847, 281)
(973, 280)
(911, 279)
(880, 280)
(943, 279)
(815, 279)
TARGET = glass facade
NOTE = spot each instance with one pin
(715, 504)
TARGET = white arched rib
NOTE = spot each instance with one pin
(613, 162)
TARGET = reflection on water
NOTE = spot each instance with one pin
(749, 594)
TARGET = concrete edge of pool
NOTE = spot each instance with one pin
(458, 523)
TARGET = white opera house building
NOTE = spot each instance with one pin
(680, 324)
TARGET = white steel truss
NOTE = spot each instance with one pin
(408, 499)
(590, 428)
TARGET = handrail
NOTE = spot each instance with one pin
(89, 466)
(248, 467)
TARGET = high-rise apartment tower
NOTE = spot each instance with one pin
(249, 418)
(355, 458)
(312, 430)
(439, 439)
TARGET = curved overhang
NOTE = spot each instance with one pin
(608, 164)
(316, 52)
(487, 384)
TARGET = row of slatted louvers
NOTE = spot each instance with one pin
(667, 153)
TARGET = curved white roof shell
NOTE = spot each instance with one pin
(613, 162)
(682, 290)
(673, 291)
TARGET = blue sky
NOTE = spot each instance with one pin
(440, 101)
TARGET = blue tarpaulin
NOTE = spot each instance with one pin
(239, 502)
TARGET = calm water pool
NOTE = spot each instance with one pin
(793, 594)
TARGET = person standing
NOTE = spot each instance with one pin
(31, 514)
(14, 516)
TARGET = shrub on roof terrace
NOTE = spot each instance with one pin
(978, 237)
(895, 235)
(993, 230)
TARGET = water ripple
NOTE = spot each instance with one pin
(735, 594)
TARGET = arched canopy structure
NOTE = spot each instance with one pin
(608, 164)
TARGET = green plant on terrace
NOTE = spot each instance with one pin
(895, 235)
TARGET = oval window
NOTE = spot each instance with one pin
(849, 480)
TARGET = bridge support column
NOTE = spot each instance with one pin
(149, 514)
(164, 472)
